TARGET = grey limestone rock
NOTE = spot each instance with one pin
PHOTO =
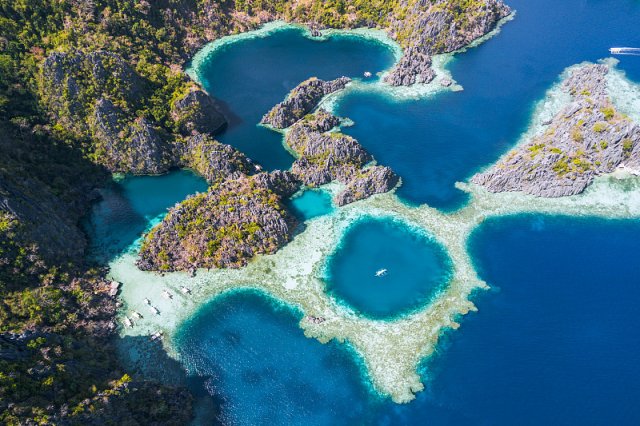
(196, 111)
(301, 101)
(372, 180)
(587, 138)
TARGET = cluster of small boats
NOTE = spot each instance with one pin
(128, 320)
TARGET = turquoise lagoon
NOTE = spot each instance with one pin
(311, 203)
(555, 339)
(383, 268)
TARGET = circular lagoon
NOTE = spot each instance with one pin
(383, 269)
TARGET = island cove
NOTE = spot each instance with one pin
(390, 351)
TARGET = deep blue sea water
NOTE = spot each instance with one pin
(554, 342)
(257, 361)
(414, 266)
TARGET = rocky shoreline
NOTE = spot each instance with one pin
(586, 139)
(300, 101)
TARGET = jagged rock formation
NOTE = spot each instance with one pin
(413, 67)
(372, 180)
(196, 111)
(213, 160)
(325, 156)
(281, 183)
(426, 29)
(587, 138)
(301, 101)
(136, 146)
(236, 220)
(96, 96)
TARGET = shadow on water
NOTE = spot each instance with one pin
(148, 359)
(131, 205)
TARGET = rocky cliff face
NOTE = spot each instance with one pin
(301, 101)
(213, 160)
(97, 96)
(369, 181)
(428, 28)
(587, 138)
(227, 226)
(126, 146)
(323, 157)
(196, 111)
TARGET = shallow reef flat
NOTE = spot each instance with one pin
(390, 351)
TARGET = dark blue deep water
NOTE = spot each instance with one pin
(554, 342)
(412, 269)
(257, 361)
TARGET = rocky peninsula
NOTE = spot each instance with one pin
(586, 139)
(439, 27)
(303, 99)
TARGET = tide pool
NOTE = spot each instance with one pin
(311, 203)
(384, 269)
(250, 76)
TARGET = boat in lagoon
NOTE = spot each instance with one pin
(381, 272)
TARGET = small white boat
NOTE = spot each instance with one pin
(634, 51)
(154, 310)
(381, 272)
(185, 290)
(166, 294)
(367, 74)
(147, 301)
(127, 322)
(136, 314)
(157, 335)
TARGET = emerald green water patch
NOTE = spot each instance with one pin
(383, 268)
(311, 204)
